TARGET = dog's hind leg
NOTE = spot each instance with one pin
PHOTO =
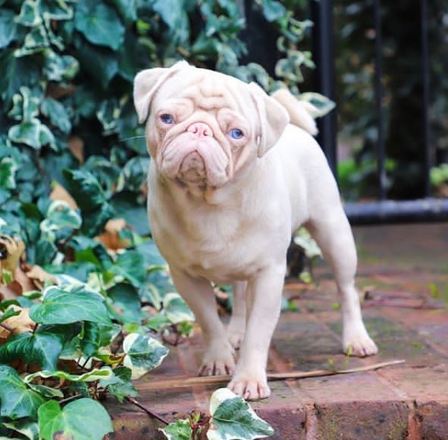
(218, 358)
(237, 324)
(332, 232)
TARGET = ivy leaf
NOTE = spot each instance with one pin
(273, 10)
(91, 376)
(83, 419)
(26, 427)
(126, 302)
(64, 307)
(59, 68)
(234, 419)
(178, 430)
(120, 384)
(176, 309)
(87, 191)
(29, 14)
(32, 133)
(8, 168)
(7, 27)
(42, 348)
(131, 266)
(99, 23)
(322, 105)
(57, 114)
(143, 353)
(16, 400)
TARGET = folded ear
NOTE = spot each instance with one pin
(273, 118)
(147, 82)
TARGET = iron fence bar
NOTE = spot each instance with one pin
(390, 211)
(425, 95)
(379, 94)
(323, 49)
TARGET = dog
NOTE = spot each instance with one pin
(230, 180)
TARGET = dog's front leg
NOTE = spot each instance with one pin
(237, 324)
(218, 357)
(264, 300)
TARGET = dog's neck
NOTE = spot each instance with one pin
(201, 193)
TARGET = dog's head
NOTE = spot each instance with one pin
(203, 127)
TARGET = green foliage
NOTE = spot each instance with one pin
(71, 421)
(67, 120)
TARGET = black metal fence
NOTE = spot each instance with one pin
(382, 210)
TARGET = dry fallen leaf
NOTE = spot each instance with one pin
(40, 277)
(60, 193)
(76, 146)
(11, 249)
(111, 235)
(16, 324)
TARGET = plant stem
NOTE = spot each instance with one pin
(147, 410)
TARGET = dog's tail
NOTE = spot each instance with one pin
(300, 112)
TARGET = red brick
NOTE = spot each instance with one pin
(433, 420)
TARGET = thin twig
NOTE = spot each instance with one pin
(182, 381)
(147, 410)
(69, 399)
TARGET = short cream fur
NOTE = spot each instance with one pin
(230, 180)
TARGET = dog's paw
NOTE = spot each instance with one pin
(359, 344)
(218, 360)
(250, 386)
(235, 337)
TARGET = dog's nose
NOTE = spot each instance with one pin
(200, 129)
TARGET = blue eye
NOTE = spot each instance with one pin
(236, 133)
(166, 118)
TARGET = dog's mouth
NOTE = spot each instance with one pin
(192, 169)
(191, 161)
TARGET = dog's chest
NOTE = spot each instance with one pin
(219, 244)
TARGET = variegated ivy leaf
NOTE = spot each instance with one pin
(305, 241)
(30, 14)
(56, 10)
(234, 419)
(8, 168)
(32, 133)
(91, 376)
(59, 216)
(59, 68)
(178, 430)
(26, 427)
(322, 105)
(176, 309)
(25, 104)
(143, 353)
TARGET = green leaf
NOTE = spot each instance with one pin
(131, 266)
(64, 307)
(57, 114)
(8, 168)
(143, 353)
(29, 14)
(120, 384)
(26, 427)
(322, 105)
(60, 221)
(126, 302)
(42, 348)
(16, 400)
(176, 309)
(234, 419)
(273, 10)
(83, 419)
(32, 133)
(91, 376)
(99, 24)
(10, 312)
(59, 68)
(178, 430)
(7, 27)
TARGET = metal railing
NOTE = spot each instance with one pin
(382, 210)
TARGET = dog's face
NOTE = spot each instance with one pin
(205, 127)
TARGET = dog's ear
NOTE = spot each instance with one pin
(147, 82)
(273, 119)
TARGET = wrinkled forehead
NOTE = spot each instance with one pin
(207, 90)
